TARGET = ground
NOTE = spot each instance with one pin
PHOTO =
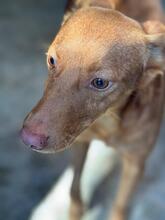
(27, 28)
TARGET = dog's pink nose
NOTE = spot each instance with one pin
(36, 141)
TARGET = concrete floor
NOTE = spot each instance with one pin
(26, 29)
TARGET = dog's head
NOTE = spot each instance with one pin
(97, 59)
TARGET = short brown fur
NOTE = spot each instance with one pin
(96, 40)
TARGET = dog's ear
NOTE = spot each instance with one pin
(155, 42)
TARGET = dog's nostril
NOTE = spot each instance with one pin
(44, 141)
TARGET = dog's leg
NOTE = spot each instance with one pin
(131, 173)
(79, 156)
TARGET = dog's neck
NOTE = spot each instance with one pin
(138, 10)
(73, 5)
(114, 4)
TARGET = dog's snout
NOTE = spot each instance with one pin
(36, 141)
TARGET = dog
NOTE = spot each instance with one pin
(106, 81)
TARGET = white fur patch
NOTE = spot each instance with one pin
(55, 206)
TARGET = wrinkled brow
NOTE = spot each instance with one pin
(94, 67)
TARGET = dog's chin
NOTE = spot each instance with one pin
(44, 150)
(48, 150)
(51, 148)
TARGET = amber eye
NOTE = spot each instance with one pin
(51, 62)
(100, 84)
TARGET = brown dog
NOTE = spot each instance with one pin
(103, 63)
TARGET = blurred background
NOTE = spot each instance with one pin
(26, 30)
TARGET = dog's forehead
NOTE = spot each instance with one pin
(90, 34)
(97, 24)
(95, 29)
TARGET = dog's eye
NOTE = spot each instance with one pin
(100, 83)
(51, 61)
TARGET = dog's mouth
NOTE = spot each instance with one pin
(36, 148)
(46, 150)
